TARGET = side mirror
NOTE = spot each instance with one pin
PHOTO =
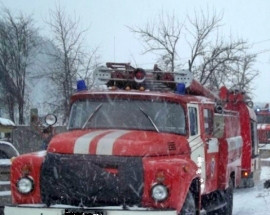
(50, 119)
(219, 126)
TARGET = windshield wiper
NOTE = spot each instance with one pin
(91, 115)
(150, 119)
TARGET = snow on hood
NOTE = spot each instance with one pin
(119, 143)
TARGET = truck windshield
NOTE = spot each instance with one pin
(127, 114)
(263, 119)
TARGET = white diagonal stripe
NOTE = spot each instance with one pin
(82, 144)
(105, 144)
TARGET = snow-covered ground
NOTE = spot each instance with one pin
(253, 201)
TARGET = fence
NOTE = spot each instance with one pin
(26, 139)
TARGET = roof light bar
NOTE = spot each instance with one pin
(123, 75)
(102, 74)
(183, 76)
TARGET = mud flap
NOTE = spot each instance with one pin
(214, 202)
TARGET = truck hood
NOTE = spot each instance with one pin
(119, 143)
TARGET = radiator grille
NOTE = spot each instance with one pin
(88, 180)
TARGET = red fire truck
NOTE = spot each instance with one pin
(250, 165)
(263, 116)
(152, 142)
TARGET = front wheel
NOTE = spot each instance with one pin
(189, 205)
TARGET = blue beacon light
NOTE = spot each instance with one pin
(81, 85)
(181, 88)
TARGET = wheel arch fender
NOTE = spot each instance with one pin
(180, 175)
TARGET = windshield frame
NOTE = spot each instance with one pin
(181, 107)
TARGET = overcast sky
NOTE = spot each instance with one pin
(107, 21)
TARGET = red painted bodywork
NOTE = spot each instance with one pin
(226, 157)
(178, 174)
(177, 168)
(33, 161)
(134, 143)
(263, 128)
(236, 102)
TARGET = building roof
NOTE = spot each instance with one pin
(6, 122)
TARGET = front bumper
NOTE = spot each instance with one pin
(26, 210)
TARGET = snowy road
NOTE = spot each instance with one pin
(253, 201)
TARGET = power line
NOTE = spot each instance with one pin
(259, 42)
(263, 51)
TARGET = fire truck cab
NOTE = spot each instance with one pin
(263, 115)
(152, 142)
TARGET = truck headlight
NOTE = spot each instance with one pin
(159, 192)
(25, 185)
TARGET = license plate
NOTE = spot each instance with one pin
(84, 212)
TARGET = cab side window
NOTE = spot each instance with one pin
(254, 138)
(208, 121)
(193, 120)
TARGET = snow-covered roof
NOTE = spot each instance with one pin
(6, 122)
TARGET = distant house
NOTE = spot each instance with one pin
(6, 127)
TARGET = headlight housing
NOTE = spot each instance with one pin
(159, 192)
(25, 185)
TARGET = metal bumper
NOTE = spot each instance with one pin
(13, 210)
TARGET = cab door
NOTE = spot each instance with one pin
(195, 141)
(212, 148)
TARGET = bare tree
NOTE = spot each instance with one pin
(216, 63)
(244, 73)
(18, 39)
(211, 57)
(202, 27)
(216, 60)
(89, 62)
(69, 60)
(7, 98)
(162, 38)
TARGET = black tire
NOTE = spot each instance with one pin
(1, 210)
(227, 210)
(189, 207)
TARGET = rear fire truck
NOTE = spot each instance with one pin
(153, 142)
(263, 116)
